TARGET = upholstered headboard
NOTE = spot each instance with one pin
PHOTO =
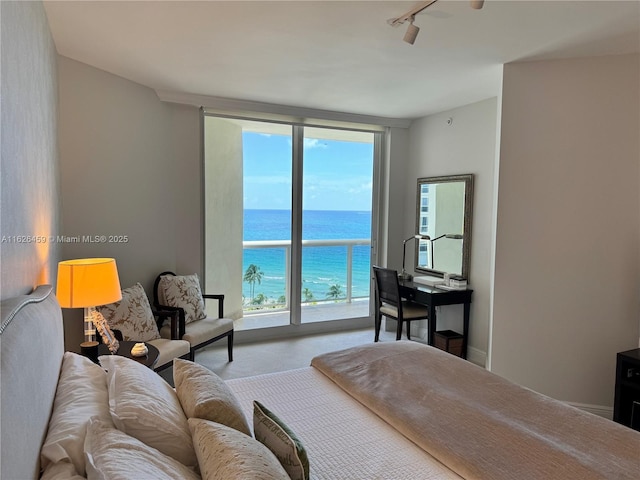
(31, 351)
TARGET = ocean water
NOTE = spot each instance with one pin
(322, 267)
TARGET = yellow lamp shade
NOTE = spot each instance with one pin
(88, 282)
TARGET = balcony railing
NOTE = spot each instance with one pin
(286, 245)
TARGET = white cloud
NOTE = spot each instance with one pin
(313, 143)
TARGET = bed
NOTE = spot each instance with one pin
(398, 410)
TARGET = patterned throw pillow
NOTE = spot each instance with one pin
(227, 454)
(132, 315)
(283, 443)
(203, 394)
(183, 291)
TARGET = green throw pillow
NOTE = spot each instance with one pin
(283, 443)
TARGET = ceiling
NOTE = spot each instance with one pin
(335, 55)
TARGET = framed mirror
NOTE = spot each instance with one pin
(444, 209)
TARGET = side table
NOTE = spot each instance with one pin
(626, 407)
(148, 360)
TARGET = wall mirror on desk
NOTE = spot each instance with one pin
(444, 209)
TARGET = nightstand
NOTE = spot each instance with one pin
(148, 360)
(626, 407)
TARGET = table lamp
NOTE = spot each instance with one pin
(404, 275)
(86, 283)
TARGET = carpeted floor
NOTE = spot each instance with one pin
(278, 355)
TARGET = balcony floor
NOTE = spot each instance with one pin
(319, 312)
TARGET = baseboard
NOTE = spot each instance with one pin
(477, 356)
(600, 410)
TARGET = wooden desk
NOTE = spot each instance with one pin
(434, 297)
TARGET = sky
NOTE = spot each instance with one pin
(337, 174)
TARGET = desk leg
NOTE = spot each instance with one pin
(465, 329)
(432, 322)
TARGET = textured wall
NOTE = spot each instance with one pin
(29, 167)
(567, 245)
(468, 145)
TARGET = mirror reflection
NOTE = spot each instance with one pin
(443, 213)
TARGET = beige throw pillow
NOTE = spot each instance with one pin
(143, 405)
(204, 395)
(225, 453)
(183, 291)
(283, 443)
(132, 315)
(112, 454)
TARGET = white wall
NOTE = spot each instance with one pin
(130, 166)
(466, 146)
(223, 208)
(393, 206)
(29, 168)
(568, 232)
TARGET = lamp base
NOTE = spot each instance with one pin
(90, 350)
(405, 277)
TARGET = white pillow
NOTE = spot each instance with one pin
(80, 395)
(145, 406)
(204, 395)
(183, 291)
(132, 315)
(226, 454)
(112, 454)
(61, 471)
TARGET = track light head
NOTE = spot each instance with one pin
(477, 4)
(412, 33)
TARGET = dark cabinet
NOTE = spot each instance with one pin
(626, 407)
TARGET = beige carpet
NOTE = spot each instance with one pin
(277, 355)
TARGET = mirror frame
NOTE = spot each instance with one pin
(468, 217)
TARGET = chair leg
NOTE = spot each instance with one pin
(230, 346)
(378, 322)
(408, 330)
(399, 329)
(192, 355)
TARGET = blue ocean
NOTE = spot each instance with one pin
(323, 267)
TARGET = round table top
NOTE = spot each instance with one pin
(148, 360)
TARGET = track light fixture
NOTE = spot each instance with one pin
(412, 30)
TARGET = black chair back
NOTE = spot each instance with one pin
(387, 286)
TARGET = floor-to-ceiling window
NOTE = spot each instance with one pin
(336, 223)
(288, 219)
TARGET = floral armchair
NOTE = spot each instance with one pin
(133, 319)
(183, 294)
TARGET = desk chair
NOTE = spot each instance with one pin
(391, 305)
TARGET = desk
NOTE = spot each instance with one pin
(434, 297)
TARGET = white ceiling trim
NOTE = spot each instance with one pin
(295, 114)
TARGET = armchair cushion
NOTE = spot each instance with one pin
(203, 330)
(132, 315)
(169, 349)
(182, 291)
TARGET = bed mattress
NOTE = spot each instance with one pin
(343, 438)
